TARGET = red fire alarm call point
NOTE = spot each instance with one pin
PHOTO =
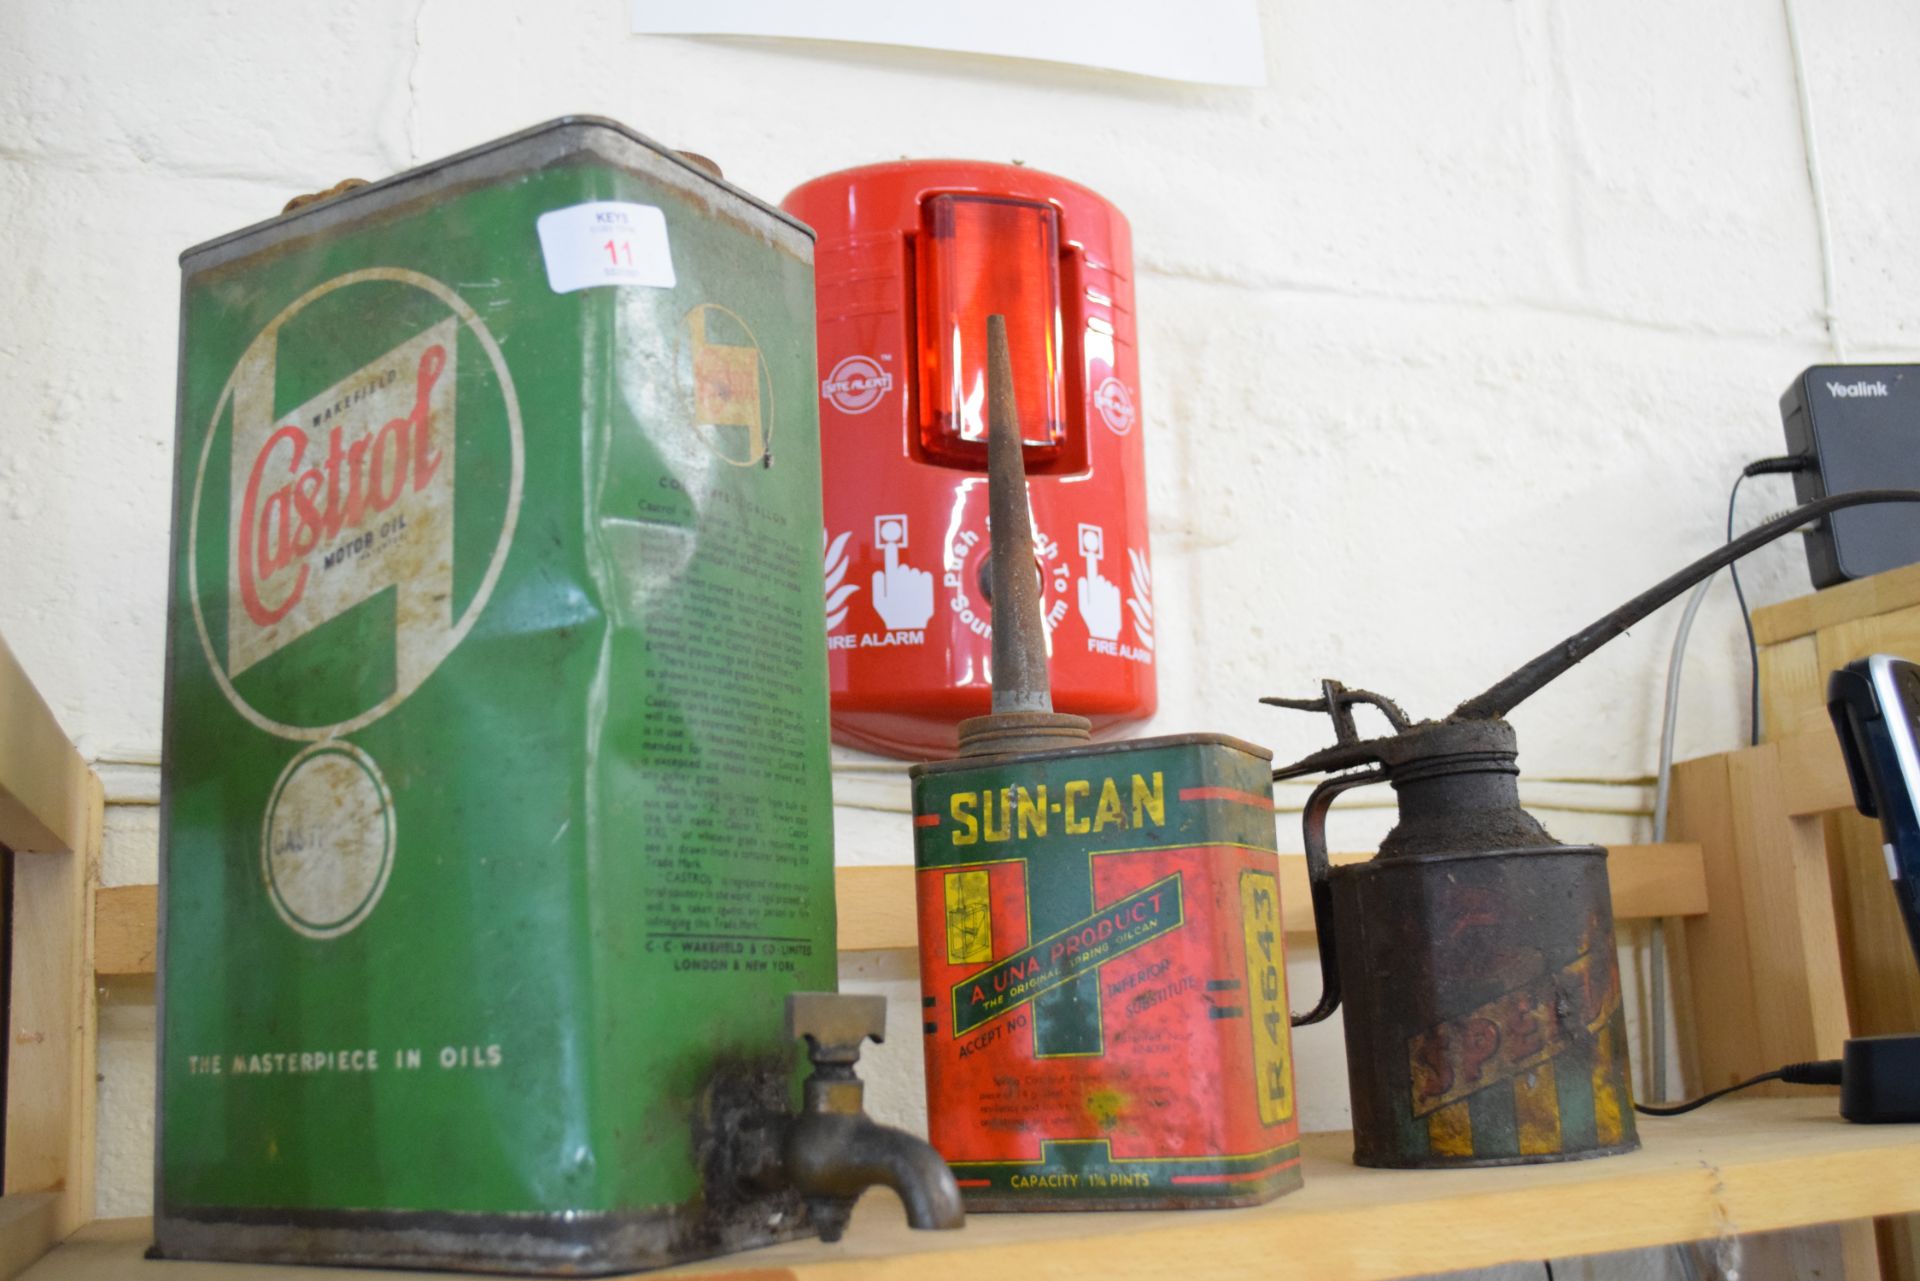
(912, 258)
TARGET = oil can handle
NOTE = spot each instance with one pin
(1313, 822)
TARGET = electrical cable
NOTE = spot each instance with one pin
(1809, 137)
(1663, 785)
(1670, 713)
(1662, 792)
(1815, 1072)
(1760, 467)
(1746, 621)
(1646, 1109)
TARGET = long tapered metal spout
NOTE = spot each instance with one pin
(1023, 719)
(1019, 644)
(1535, 675)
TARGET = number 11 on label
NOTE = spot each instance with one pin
(607, 242)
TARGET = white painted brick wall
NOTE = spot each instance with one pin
(1453, 336)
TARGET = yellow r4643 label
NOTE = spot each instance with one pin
(1267, 996)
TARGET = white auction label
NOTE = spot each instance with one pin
(607, 242)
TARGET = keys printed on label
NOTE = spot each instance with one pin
(605, 242)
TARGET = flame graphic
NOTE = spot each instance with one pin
(1141, 599)
(836, 571)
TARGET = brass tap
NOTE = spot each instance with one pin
(833, 1150)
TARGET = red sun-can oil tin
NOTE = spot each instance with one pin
(1101, 965)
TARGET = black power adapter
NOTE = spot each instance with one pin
(1856, 427)
(1880, 1078)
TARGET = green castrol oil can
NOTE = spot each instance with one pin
(496, 813)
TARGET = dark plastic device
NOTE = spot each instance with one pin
(1880, 1078)
(1856, 427)
(1875, 705)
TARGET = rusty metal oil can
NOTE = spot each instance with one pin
(497, 814)
(1472, 958)
(1102, 971)
(1485, 1024)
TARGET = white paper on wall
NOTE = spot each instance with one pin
(1215, 42)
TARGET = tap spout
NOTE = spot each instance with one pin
(834, 1151)
(831, 1158)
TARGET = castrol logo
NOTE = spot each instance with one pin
(339, 490)
(300, 495)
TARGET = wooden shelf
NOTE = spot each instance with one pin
(877, 912)
(1737, 1166)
